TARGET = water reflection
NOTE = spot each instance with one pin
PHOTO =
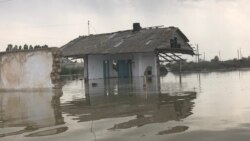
(140, 98)
(48, 132)
(175, 129)
(138, 102)
(28, 111)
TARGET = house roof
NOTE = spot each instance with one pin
(146, 40)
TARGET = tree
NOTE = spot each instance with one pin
(31, 47)
(25, 47)
(215, 59)
(9, 47)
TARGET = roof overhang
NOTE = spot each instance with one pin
(188, 52)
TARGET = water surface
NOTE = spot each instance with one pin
(207, 106)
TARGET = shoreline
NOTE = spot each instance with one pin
(212, 70)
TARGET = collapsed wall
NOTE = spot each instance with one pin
(30, 69)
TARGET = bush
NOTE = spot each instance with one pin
(72, 71)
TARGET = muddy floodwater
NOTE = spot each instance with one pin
(207, 106)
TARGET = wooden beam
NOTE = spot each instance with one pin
(178, 57)
(171, 57)
(164, 58)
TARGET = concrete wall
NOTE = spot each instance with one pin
(140, 62)
(26, 70)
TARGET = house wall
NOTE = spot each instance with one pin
(95, 64)
(140, 62)
(85, 67)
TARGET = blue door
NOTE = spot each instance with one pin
(123, 69)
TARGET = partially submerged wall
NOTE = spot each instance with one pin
(30, 69)
(140, 63)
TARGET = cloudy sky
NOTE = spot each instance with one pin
(216, 25)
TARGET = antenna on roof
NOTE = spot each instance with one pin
(88, 28)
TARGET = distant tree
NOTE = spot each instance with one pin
(215, 59)
(15, 47)
(25, 47)
(45, 46)
(37, 47)
(31, 47)
(9, 47)
(20, 48)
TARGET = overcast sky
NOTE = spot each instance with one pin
(216, 25)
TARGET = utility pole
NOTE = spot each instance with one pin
(204, 56)
(198, 53)
(238, 55)
(88, 28)
(180, 72)
(219, 56)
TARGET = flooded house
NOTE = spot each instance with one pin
(129, 53)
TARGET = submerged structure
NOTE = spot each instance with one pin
(130, 53)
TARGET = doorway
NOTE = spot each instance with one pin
(124, 68)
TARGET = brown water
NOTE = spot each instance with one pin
(208, 106)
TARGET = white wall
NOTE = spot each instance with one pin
(95, 66)
(140, 62)
(26, 70)
(85, 67)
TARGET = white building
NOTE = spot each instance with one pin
(129, 53)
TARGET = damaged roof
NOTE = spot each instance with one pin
(145, 40)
